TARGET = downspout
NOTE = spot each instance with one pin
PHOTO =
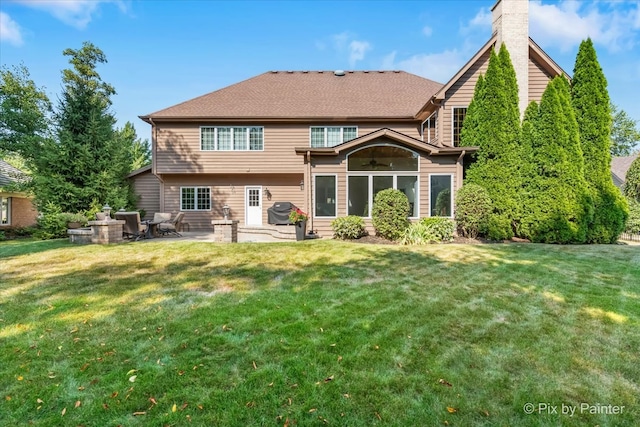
(154, 149)
(308, 187)
(460, 157)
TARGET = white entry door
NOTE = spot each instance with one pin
(253, 205)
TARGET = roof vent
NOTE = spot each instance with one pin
(338, 73)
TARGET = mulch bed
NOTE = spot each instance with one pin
(373, 239)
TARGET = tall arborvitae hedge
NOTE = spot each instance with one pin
(527, 195)
(561, 207)
(493, 124)
(591, 104)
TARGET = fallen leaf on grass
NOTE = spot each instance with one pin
(74, 330)
(451, 410)
(8, 398)
(39, 400)
(254, 365)
(174, 408)
(114, 394)
(184, 405)
(153, 400)
(485, 412)
(84, 367)
(378, 416)
(135, 414)
(77, 405)
(132, 378)
(313, 410)
(20, 377)
(326, 380)
(64, 411)
(444, 382)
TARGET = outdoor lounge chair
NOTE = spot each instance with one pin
(133, 228)
(171, 227)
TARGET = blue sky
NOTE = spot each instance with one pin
(161, 53)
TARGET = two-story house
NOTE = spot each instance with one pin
(328, 141)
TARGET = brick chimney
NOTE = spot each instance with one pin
(511, 25)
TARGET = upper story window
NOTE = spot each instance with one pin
(458, 117)
(226, 138)
(325, 136)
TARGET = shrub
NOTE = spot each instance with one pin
(428, 230)
(443, 228)
(418, 233)
(390, 213)
(348, 227)
(53, 223)
(2, 236)
(473, 208)
(633, 221)
(499, 227)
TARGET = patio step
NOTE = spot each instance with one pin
(283, 232)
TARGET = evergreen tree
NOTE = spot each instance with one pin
(88, 164)
(139, 151)
(632, 181)
(591, 104)
(494, 126)
(527, 196)
(561, 205)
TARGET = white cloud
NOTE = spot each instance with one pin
(427, 31)
(10, 30)
(613, 25)
(346, 42)
(77, 13)
(435, 66)
(357, 50)
(481, 21)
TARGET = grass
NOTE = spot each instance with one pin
(318, 332)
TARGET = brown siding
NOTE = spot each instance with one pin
(178, 148)
(147, 188)
(459, 95)
(22, 212)
(337, 166)
(538, 80)
(230, 190)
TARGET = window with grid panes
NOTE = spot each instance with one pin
(195, 198)
(214, 138)
(459, 114)
(330, 136)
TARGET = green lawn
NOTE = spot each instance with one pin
(318, 332)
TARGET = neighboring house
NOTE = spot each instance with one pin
(619, 168)
(329, 141)
(16, 207)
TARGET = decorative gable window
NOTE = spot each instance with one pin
(219, 138)
(331, 136)
(459, 114)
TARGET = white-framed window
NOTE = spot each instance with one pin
(379, 167)
(5, 210)
(195, 198)
(325, 196)
(441, 195)
(227, 138)
(458, 115)
(430, 128)
(330, 136)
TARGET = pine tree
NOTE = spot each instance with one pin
(494, 126)
(561, 205)
(87, 164)
(590, 100)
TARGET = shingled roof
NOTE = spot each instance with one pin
(619, 168)
(9, 174)
(311, 95)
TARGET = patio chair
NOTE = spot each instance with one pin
(159, 217)
(172, 226)
(133, 228)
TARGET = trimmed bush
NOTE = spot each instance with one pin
(473, 207)
(633, 221)
(348, 227)
(390, 213)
